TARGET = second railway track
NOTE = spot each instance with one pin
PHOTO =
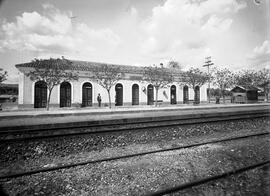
(66, 166)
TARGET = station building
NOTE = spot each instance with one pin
(129, 91)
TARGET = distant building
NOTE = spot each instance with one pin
(245, 94)
(266, 91)
(8, 92)
(128, 91)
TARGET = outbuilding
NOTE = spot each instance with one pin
(245, 94)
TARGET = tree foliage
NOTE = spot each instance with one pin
(174, 65)
(159, 77)
(107, 76)
(262, 77)
(3, 75)
(223, 79)
(263, 80)
(245, 78)
(53, 72)
(216, 92)
(194, 77)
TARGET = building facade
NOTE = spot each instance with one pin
(130, 91)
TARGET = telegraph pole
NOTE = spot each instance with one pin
(208, 63)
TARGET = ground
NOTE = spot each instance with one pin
(145, 174)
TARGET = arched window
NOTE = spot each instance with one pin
(173, 94)
(185, 94)
(197, 94)
(87, 94)
(65, 94)
(135, 94)
(150, 94)
(118, 94)
(40, 97)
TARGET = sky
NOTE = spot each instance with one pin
(235, 33)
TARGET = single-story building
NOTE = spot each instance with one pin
(245, 94)
(130, 90)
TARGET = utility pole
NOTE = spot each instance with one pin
(208, 63)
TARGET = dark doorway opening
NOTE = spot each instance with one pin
(173, 94)
(40, 97)
(87, 94)
(65, 94)
(185, 94)
(135, 94)
(118, 95)
(197, 95)
(150, 94)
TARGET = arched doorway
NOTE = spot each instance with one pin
(185, 94)
(118, 94)
(87, 94)
(65, 94)
(40, 97)
(197, 95)
(135, 94)
(173, 94)
(150, 94)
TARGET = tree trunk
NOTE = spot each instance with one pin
(265, 94)
(109, 95)
(48, 101)
(156, 96)
(194, 97)
(223, 96)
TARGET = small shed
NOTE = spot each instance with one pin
(245, 94)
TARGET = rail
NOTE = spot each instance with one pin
(111, 126)
(41, 170)
(208, 179)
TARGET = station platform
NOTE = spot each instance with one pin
(62, 116)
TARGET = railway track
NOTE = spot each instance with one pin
(66, 166)
(202, 181)
(8, 135)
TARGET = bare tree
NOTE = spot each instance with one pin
(159, 77)
(107, 76)
(192, 78)
(53, 72)
(224, 79)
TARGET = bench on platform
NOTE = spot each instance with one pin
(159, 102)
(195, 102)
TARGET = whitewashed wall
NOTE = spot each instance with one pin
(26, 92)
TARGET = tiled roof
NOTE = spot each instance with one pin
(4, 85)
(246, 87)
(87, 66)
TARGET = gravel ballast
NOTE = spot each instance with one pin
(149, 173)
(24, 156)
